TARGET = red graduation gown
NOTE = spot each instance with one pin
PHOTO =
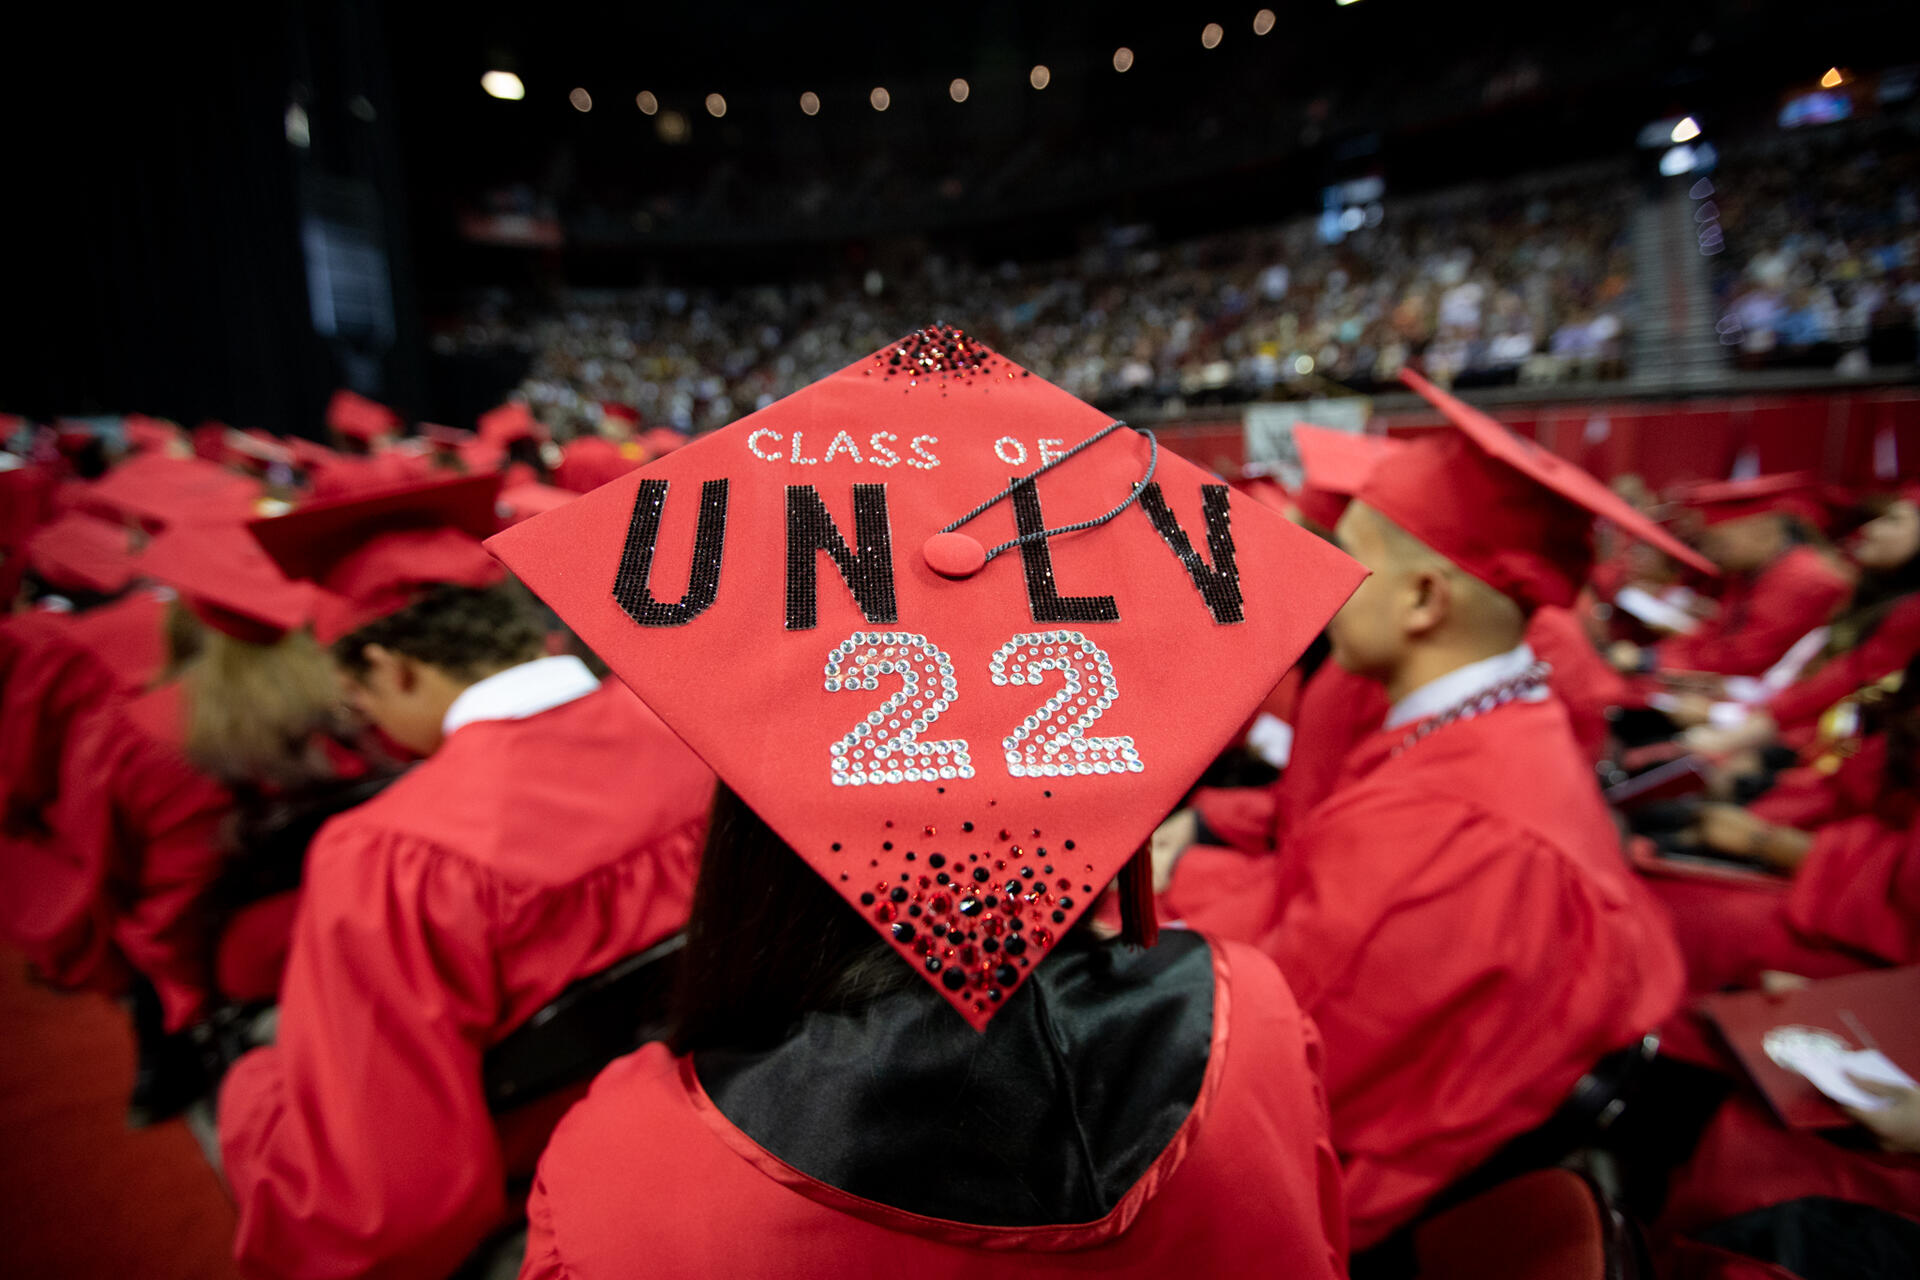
(1760, 617)
(1466, 934)
(436, 918)
(1887, 649)
(647, 1177)
(1583, 681)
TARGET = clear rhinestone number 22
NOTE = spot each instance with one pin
(886, 747)
(1053, 741)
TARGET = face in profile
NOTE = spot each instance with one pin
(1364, 634)
(397, 696)
(1889, 541)
(1742, 545)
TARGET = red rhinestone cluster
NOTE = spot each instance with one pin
(940, 350)
(977, 921)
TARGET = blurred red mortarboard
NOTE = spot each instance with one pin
(345, 477)
(379, 552)
(150, 435)
(660, 441)
(1334, 466)
(620, 412)
(1784, 493)
(968, 754)
(509, 422)
(524, 501)
(358, 418)
(1502, 508)
(229, 583)
(77, 551)
(160, 492)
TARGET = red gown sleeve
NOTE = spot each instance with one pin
(1860, 888)
(1244, 818)
(149, 824)
(1791, 597)
(360, 1144)
(1887, 650)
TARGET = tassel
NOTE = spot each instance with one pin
(1139, 925)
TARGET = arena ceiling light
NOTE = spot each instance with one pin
(1344, 3)
(1685, 129)
(880, 99)
(716, 105)
(810, 103)
(1040, 77)
(647, 103)
(1263, 22)
(1833, 79)
(504, 85)
(582, 100)
(1123, 59)
(1210, 35)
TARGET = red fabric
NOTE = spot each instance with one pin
(1730, 932)
(1337, 709)
(509, 422)
(1860, 888)
(1747, 1160)
(79, 552)
(141, 830)
(1249, 1188)
(1886, 650)
(50, 677)
(1583, 681)
(251, 955)
(1786, 493)
(1831, 789)
(159, 491)
(1760, 617)
(591, 461)
(346, 477)
(1469, 946)
(355, 416)
(26, 501)
(434, 919)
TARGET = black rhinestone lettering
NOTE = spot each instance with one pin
(1219, 583)
(868, 571)
(630, 588)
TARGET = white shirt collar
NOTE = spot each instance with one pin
(522, 691)
(1462, 684)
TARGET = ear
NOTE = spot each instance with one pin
(390, 670)
(1429, 600)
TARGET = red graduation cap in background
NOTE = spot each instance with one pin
(160, 491)
(1795, 493)
(83, 552)
(229, 583)
(1502, 508)
(508, 423)
(965, 737)
(1334, 465)
(377, 553)
(358, 418)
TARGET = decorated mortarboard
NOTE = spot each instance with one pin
(1794, 493)
(358, 418)
(77, 551)
(1334, 465)
(229, 583)
(379, 552)
(959, 638)
(1502, 508)
(162, 491)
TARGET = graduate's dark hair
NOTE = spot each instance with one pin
(768, 941)
(467, 632)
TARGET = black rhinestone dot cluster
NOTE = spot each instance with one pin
(868, 570)
(630, 582)
(1218, 583)
(977, 920)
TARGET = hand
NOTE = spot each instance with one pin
(1690, 710)
(1731, 829)
(1624, 655)
(1757, 730)
(1897, 1127)
(1171, 839)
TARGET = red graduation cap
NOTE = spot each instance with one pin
(524, 501)
(1502, 508)
(510, 422)
(619, 412)
(1795, 493)
(660, 441)
(160, 491)
(1334, 465)
(229, 583)
(346, 477)
(358, 418)
(150, 435)
(83, 552)
(968, 749)
(1267, 491)
(378, 552)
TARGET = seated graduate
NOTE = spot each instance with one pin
(899, 1048)
(1872, 637)
(1463, 875)
(1844, 834)
(1780, 587)
(553, 829)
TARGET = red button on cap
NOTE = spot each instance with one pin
(954, 555)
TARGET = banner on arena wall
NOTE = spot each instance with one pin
(1269, 431)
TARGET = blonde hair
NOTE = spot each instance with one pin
(255, 712)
